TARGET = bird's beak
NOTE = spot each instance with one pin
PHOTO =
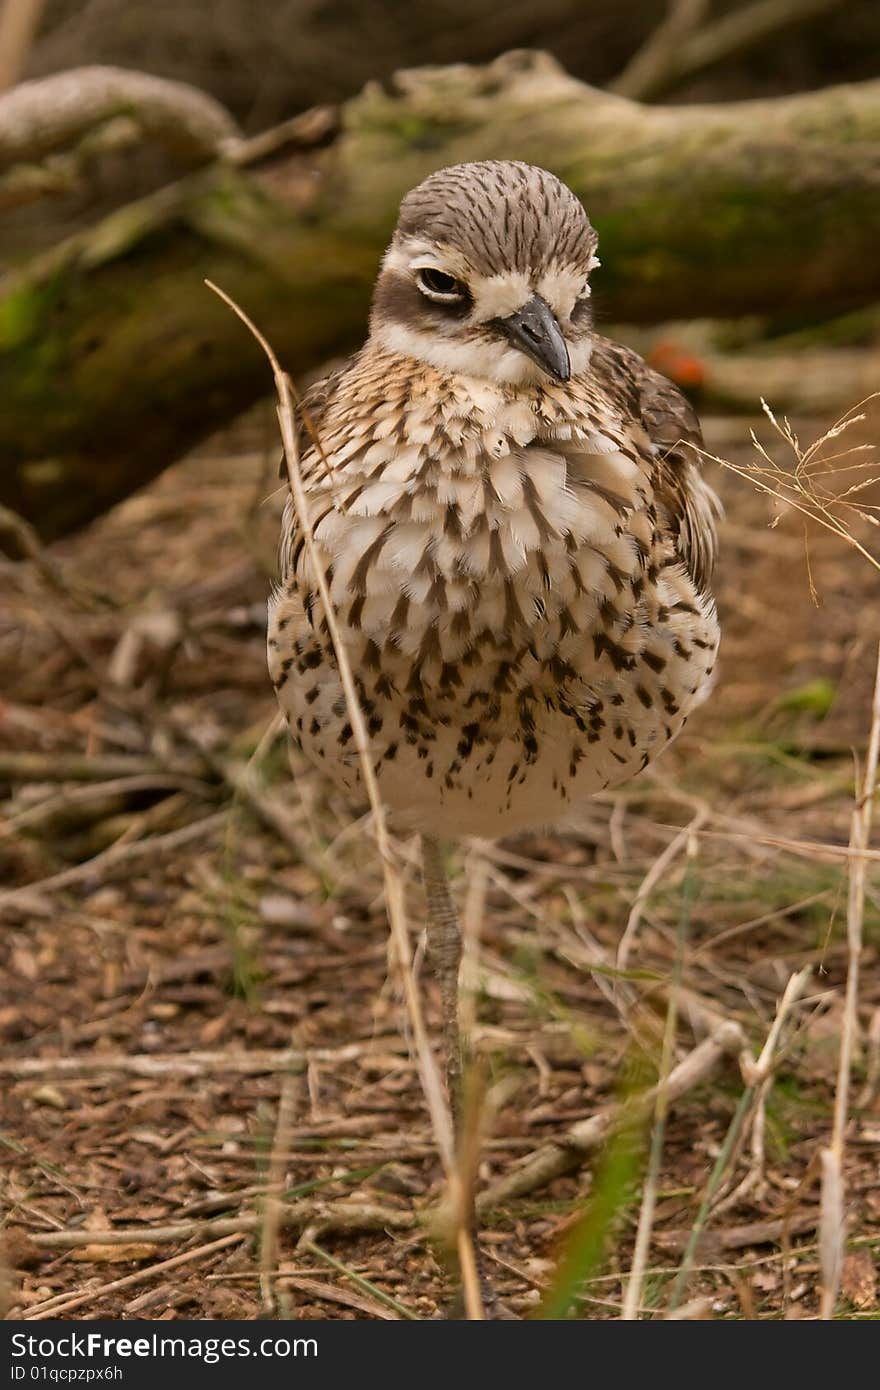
(535, 331)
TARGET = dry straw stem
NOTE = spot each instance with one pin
(392, 877)
(393, 880)
(832, 1228)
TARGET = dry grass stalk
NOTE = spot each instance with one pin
(680, 842)
(803, 487)
(273, 1210)
(393, 881)
(754, 1074)
(633, 1291)
(832, 1230)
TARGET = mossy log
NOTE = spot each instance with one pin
(115, 358)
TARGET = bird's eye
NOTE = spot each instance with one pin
(437, 285)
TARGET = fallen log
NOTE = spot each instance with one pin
(114, 357)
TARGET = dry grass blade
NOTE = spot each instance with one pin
(832, 1231)
(441, 1118)
(393, 879)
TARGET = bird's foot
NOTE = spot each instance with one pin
(493, 1306)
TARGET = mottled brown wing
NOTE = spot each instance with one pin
(672, 426)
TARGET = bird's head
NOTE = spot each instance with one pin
(488, 275)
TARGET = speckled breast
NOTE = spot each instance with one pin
(522, 628)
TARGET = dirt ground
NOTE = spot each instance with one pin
(183, 940)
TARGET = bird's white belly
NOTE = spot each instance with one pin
(467, 761)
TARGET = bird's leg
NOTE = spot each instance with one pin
(444, 955)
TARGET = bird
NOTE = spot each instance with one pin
(515, 531)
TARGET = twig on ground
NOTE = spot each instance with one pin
(193, 1063)
(89, 802)
(316, 1215)
(569, 1152)
(123, 851)
(88, 767)
(759, 1077)
(675, 847)
(694, 1309)
(67, 1303)
(364, 1284)
(23, 533)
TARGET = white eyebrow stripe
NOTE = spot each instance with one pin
(499, 296)
(562, 286)
(414, 255)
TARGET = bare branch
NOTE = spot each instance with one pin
(651, 65)
(19, 20)
(55, 113)
(680, 48)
